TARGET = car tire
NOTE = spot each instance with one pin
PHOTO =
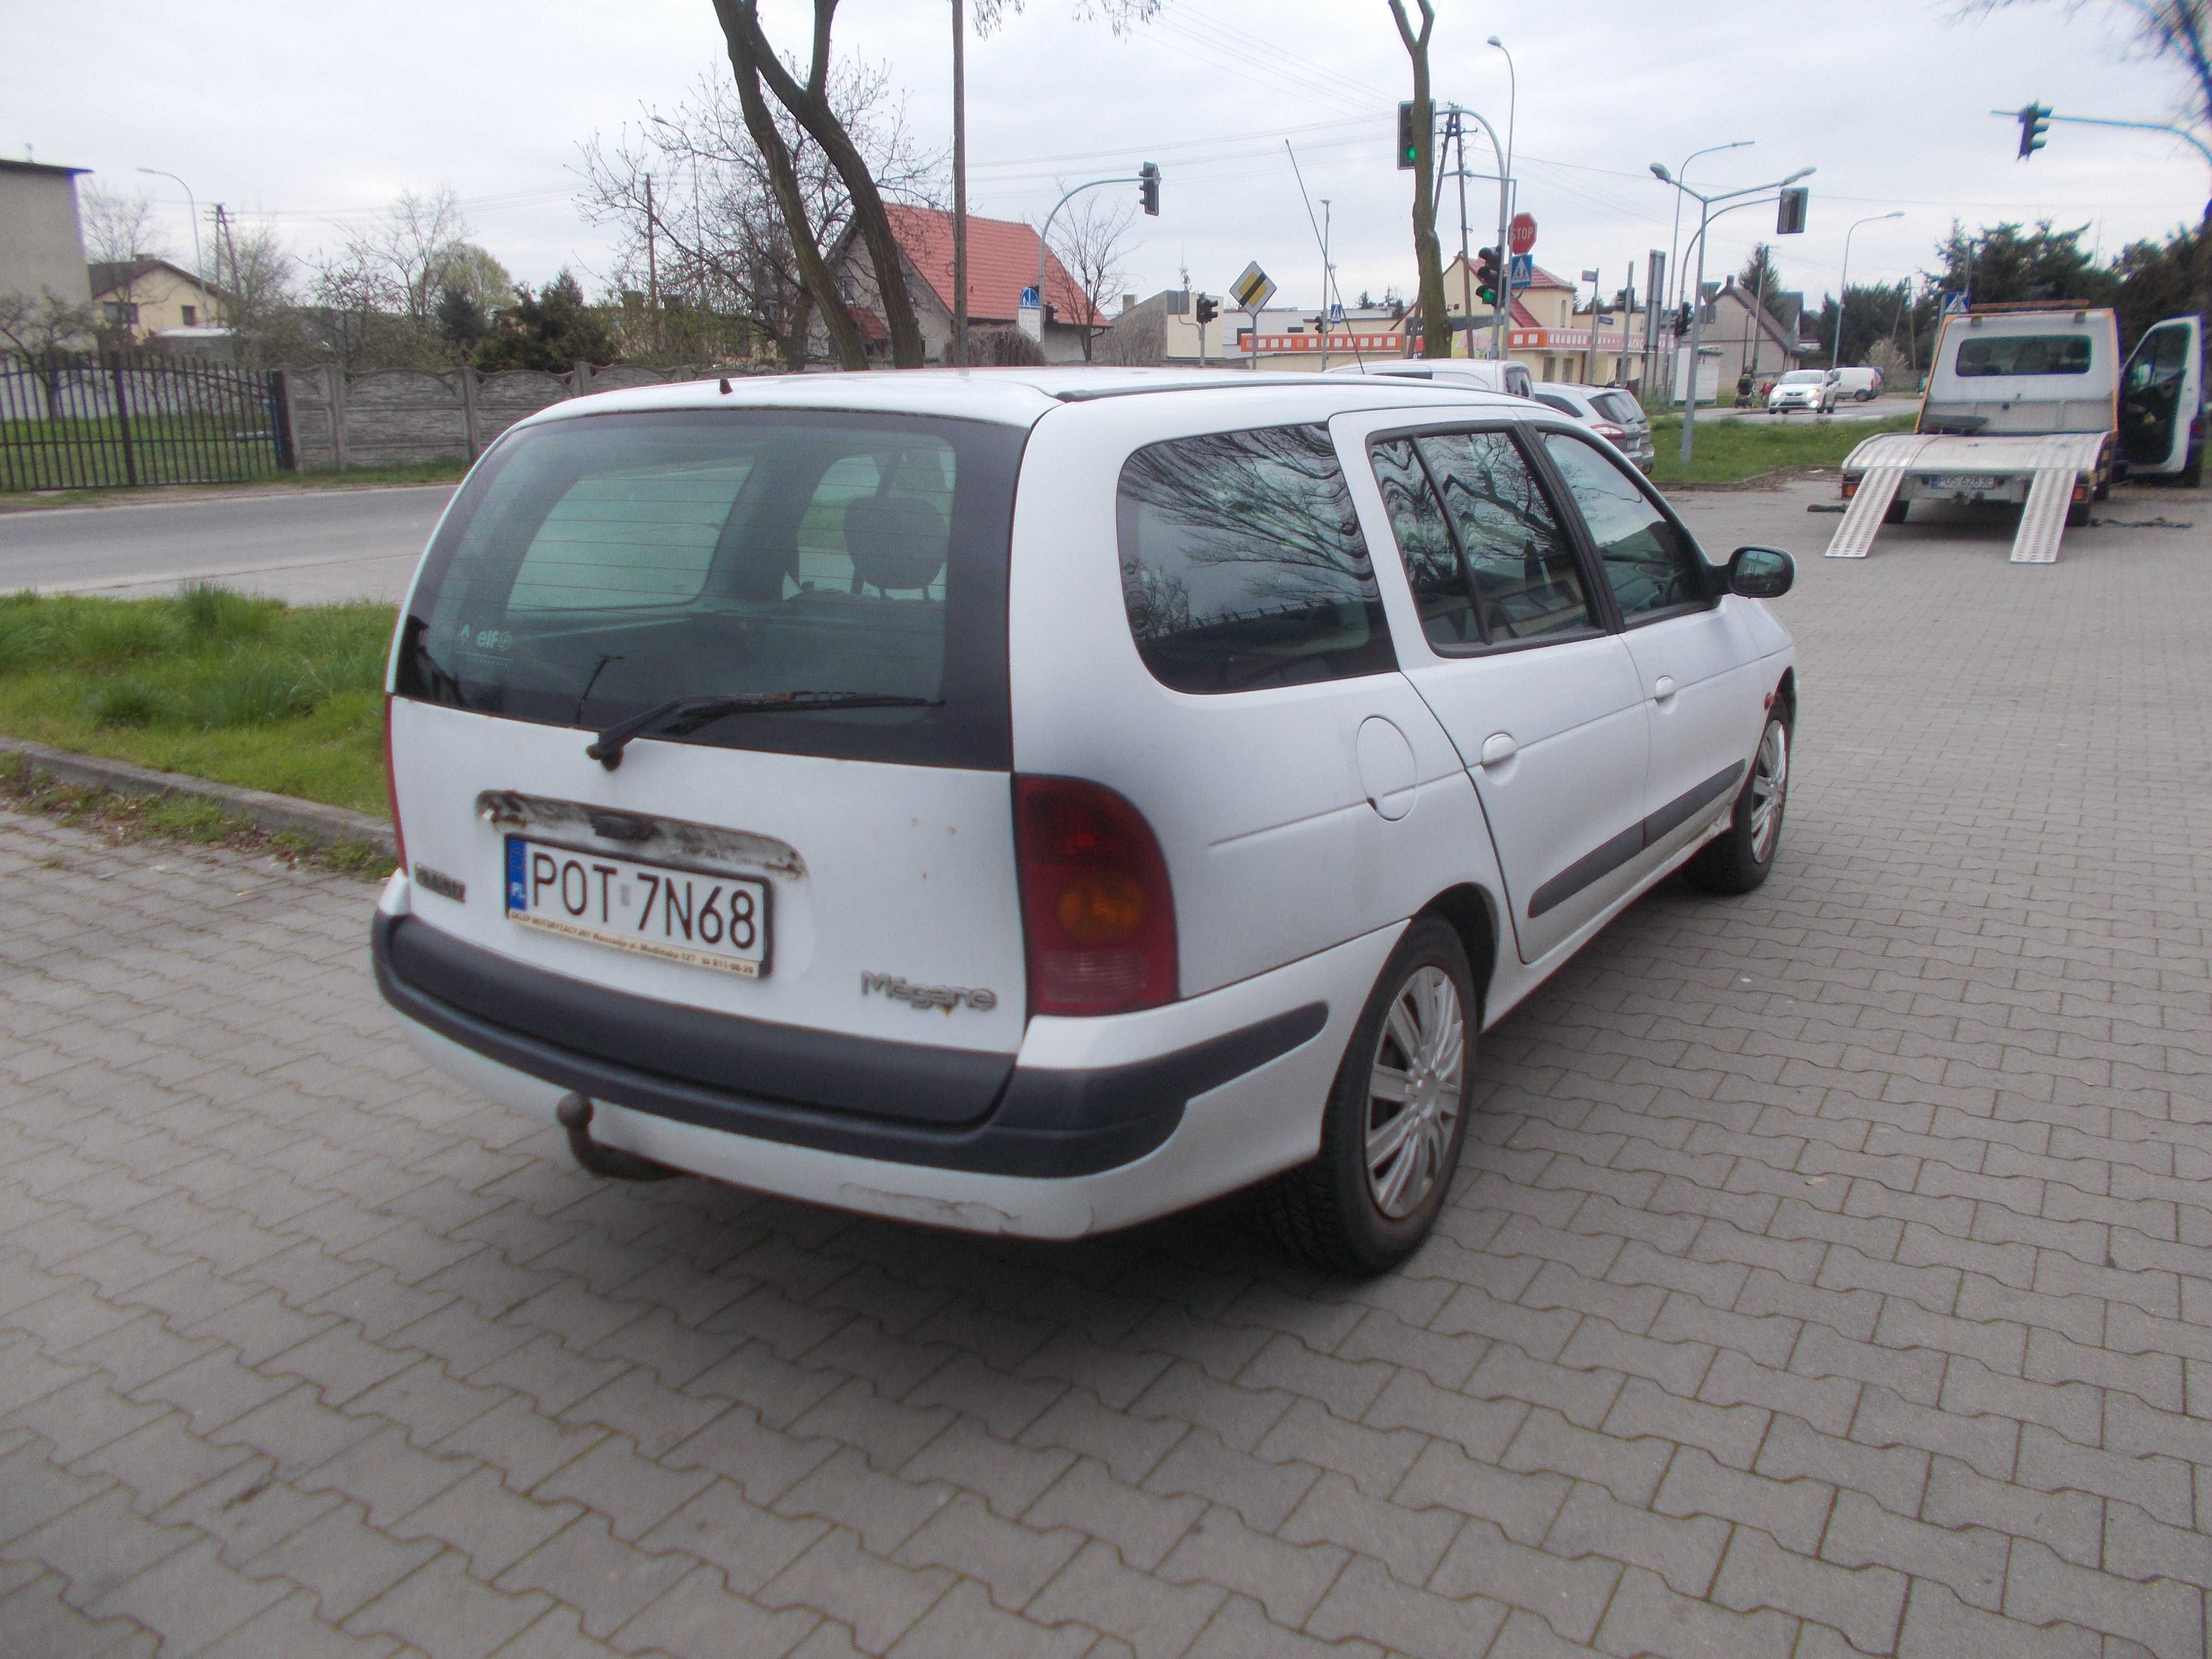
(2077, 516)
(1740, 859)
(2191, 475)
(1337, 1210)
(1862, 397)
(1895, 512)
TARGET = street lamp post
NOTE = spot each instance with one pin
(1674, 242)
(199, 269)
(1843, 285)
(1697, 292)
(1504, 303)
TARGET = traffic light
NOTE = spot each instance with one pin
(1207, 310)
(1409, 152)
(1485, 275)
(1148, 187)
(1682, 318)
(1789, 217)
(2034, 123)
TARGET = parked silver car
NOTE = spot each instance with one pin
(1611, 413)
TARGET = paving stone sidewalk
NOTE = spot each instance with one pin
(1829, 1273)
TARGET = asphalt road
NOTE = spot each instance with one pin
(306, 547)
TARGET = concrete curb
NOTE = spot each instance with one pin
(273, 813)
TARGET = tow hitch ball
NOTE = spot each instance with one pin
(574, 1115)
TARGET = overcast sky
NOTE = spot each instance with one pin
(308, 113)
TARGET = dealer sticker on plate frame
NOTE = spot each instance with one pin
(677, 915)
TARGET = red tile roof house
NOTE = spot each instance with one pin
(1002, 261)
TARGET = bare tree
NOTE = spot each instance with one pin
(120, 227)
(406, 251)
(1428, 257)
(40, 331)
(696, 186)
(1091, 241)
(757, 66)
(989, 14)
(259, 303)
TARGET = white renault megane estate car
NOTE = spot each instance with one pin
(1036, 801)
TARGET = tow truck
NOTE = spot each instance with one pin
(2029, 405)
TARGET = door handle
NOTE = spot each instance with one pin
(1663, 688)
(1498, 748)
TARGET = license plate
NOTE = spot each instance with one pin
(677, 915)
(1965, 481)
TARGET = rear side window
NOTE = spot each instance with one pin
(1553, 400)
(2023, 354)
(1243, 565)
(598, 567)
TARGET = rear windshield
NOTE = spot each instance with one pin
(2023, 354)
(597, 566)
(1616, 407)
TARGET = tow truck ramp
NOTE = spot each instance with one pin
(2053, 461)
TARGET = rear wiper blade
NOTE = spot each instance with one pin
(680, 716)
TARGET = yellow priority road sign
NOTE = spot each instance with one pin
(1253, 289)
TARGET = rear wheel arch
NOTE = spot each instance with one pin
(1473, 914)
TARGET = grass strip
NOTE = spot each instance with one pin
(122, 817)
(1736, 450)
(211, 684)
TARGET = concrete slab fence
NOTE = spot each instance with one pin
(396, 417)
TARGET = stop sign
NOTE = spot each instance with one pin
(1523, 233)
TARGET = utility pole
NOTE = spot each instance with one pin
(960, 198)
(1466, 282)
(1323, 318)
(221, 236)
(652, 266)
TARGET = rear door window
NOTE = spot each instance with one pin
(1650, 564)
(1243, 565)
(1485, 552)
(597, 566)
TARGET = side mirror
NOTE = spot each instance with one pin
(1761, 572)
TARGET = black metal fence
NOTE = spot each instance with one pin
(86, 421)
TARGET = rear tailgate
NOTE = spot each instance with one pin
(818, 906)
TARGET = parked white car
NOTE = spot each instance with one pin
(1462, 374)
(1034, 801)
(1813, 389)
(1606, 411)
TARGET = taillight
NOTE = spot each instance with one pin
(1098, 916)
(1610, 433)
(391, 788)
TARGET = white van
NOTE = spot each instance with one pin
(1861, 385)
(1033, 801)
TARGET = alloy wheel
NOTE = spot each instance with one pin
(1414, 1091)
(1770, 788)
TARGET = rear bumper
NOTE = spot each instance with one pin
(1039, 1123)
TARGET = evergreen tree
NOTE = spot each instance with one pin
(552, 330)
(459, 319)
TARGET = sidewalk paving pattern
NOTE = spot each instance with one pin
(1828, 1274)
